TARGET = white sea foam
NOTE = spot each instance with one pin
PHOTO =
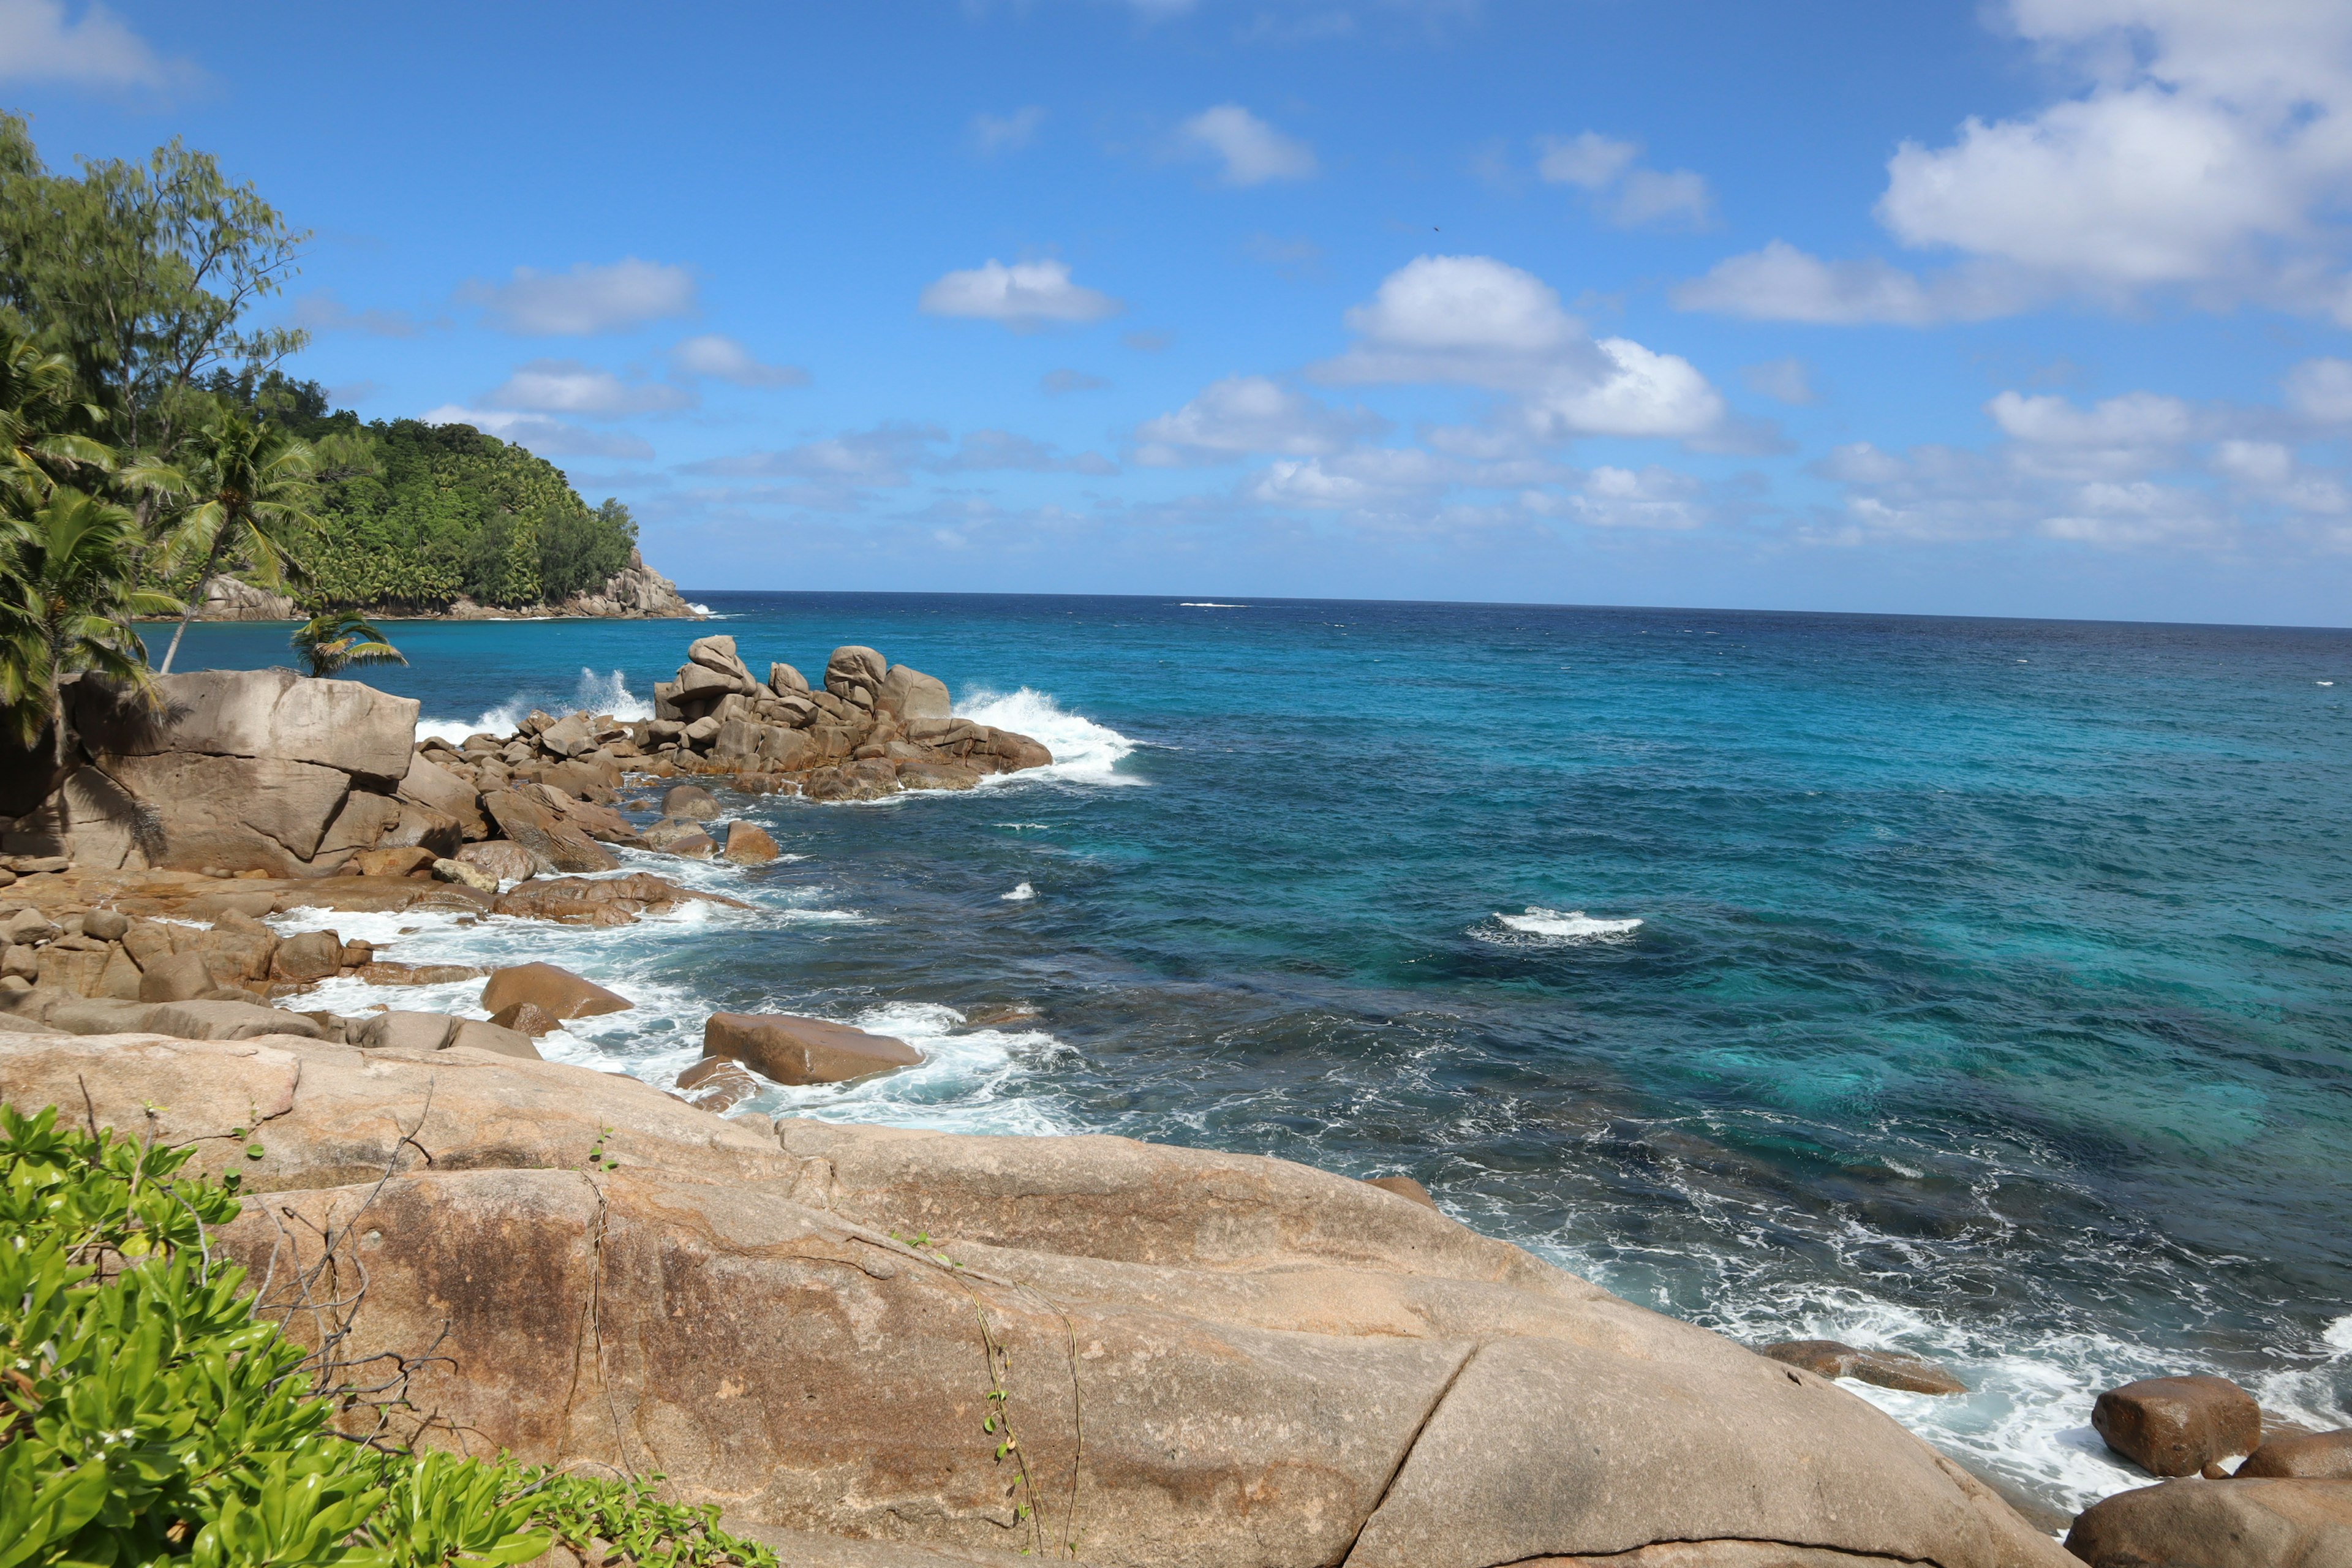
(1207, 604)
(594, 693)
(1084, 751)
(1562, 925)
(1019, 895)
(2339, 1337)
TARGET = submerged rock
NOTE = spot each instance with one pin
(795, 1050)
(1888, 1369)
(558, 992)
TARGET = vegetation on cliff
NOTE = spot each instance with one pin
(148, 1416)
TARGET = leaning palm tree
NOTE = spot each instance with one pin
(245, 496)
(335, 641)
(68, 590)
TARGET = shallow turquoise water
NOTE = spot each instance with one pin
(1989, 994)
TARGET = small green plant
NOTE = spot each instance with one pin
(332, 643)
(147, 1417)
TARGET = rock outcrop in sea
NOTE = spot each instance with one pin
(637, 591)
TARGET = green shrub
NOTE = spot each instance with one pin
(147, 1416)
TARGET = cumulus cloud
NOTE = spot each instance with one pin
(1477, 322)
(995, 133)
(1607, 497)
(1245, 415)
(1253, 151)
(548, 437)
(2321, 390)
(1627, 196)
(1023, 295)
(2205, 154)
(567, 386)
(723, 358)
(40, 42)
(585, 301)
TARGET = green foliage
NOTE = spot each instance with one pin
(68, 589)
(332, 643)
(148, 1418)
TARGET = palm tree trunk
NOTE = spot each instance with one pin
(181, 630)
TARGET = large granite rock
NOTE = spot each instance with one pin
(912, 694)
(2177, 1426)
(798, 1050)
(2219, 1524)
(1208, 1359)
(338, 724)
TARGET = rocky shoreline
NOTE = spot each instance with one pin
(637, 591)
(885, 1348)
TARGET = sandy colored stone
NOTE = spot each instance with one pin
(2219, 1524)
(558, 992)
(794, 1050)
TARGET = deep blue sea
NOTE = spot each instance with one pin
(1981, 988)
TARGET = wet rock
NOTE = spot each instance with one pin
(2177, 1426)
(749, 844)
(563, 847)
(2219, 1524)
(690, 803)
(2302, 1455)
(558, 992)
(795, 1050)
(1404, 1187)
(921, 774)
(460, 871)
(527, 1018)
(381, 972)
(1888, 1369)
(717, 1084)
(670, 831)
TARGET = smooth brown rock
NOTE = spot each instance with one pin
(1888, 1369)
(204, 1019)
(2302, 1455)
(106, 925)
(474, 1035)
(547, 837)
(749, 844)
(690, 803)
(1404, 1187)
(527, 1019)
(912, 694)
(2177, 1426)
(922, 775)
(309, 956)
(271, 713)
(402, 1030)
(2219, 1524)
(382, 972)
(855, 674)
(179, 977)
(404, 860)
(558, 992)
(440, 789)
(797, 1050)
(1272, 1366)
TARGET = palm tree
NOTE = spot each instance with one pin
(68, 590)
(341, 638)
(40, 409)
(246, 495)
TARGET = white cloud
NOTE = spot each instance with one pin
(1587, 158)
(567, 386)
(1058, 383)
(38, 42)
(1023, 295)
(1627, 196)
(321, 312)
(587, 300)
(1650, 498)
(1788, 381)
(1478, 321)
(995, 133)
(984, 450)
(2208, 153)
(1253, 152)
(1781, 284)
(548, 437)
(2321, 390)
(1248, 413)
(724, 359)
(885, 455)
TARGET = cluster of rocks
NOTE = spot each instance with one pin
(868, 729)
(2245, 1488)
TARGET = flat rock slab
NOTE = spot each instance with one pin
(1888, 1369)
(794, 1050)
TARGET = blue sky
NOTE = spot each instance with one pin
(2037, 308)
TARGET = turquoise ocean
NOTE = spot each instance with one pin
(1979, 988)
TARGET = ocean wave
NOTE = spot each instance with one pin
(1554, 926)
(593, 693)
(1019, 895)
(1207, 604)
(1084, 751)
(2339, 1337)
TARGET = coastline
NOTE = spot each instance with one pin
(637, 591)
